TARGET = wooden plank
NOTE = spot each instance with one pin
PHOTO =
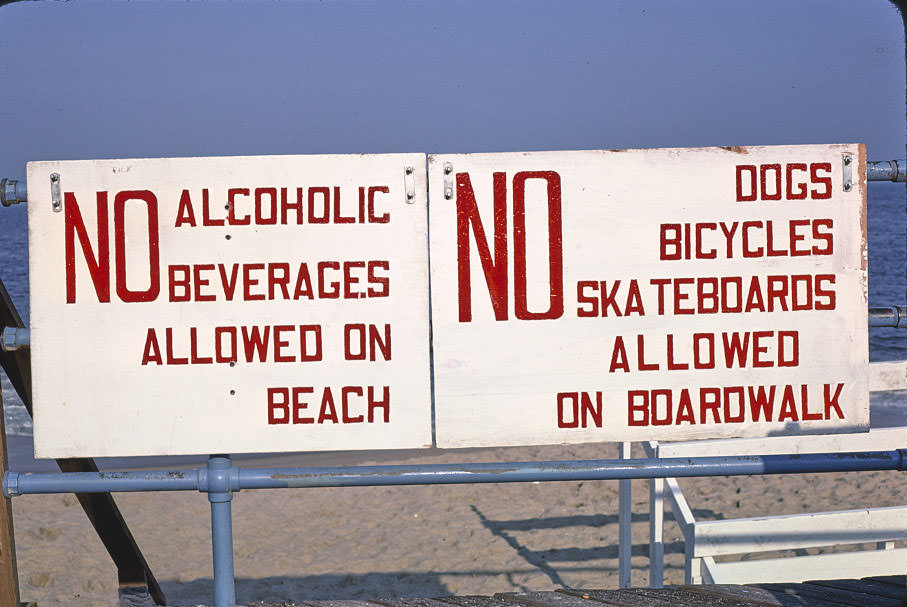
(683, 514)
(684, 598)
(618, 598)
(866, 586)
(877, 439)
(763, 595)
(16, 364)
(340, 603)
(133, 571)
(543, 599)
(755, 596)
(795, 531)
(888, 376)
(9, 575)
(474, 601)
(894, 580)
(835, 565)
(831, 596)
(407, 602)
(790, 598)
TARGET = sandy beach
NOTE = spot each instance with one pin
(351, 543)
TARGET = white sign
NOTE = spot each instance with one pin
(210, 305)
(648, 294)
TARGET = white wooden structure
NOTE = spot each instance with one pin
(706, 540)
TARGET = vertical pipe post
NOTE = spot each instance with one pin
(220, 496)
(624, 516)
(656, 532)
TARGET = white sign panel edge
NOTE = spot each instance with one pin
(104, 387)
(536, 380)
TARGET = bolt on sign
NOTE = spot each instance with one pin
(211, 305)
(648, 294)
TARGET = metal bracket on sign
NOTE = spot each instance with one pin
(848, 172)
(409, 180)
(448, 181)
(55, 192)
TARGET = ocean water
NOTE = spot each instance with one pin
(887, 226)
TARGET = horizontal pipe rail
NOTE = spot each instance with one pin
(888, 170)
(15, 483)
(890, 316)
(12, 191)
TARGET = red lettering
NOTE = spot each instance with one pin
(154, 278)
(260, 217)
(98, 266)
(185, 214)
(824, 180)
(206, 211)
(325, 216)
(669, 249)
(193, 349)
(763, 178)
(255, 341)
(372, 218)
(495, 269)
(619, 356)
(384, 404)
(641, 355)
(831, 401)
(374, 280)
(152, 351)
(761, 404)
(635, 408)
(555, 247)
(278, 402)
(742, 185)
(201, 282)
(232, 193)
(800, 193)
(345, 392)
(737, 417)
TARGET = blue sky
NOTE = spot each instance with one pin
(96, 80)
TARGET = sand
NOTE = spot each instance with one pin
(353, 543)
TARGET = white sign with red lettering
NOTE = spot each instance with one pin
(648, 294)
(212, 305)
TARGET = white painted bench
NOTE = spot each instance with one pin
(705, 540)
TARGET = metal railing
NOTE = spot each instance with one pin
(220, 479)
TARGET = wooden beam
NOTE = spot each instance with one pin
(132, 569)
(16, 364)
(9, 575)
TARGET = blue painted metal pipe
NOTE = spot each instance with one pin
(891, 316)
(889, 170)
(438, 474)
(12, 191)
(220, 496)
(16, 483)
